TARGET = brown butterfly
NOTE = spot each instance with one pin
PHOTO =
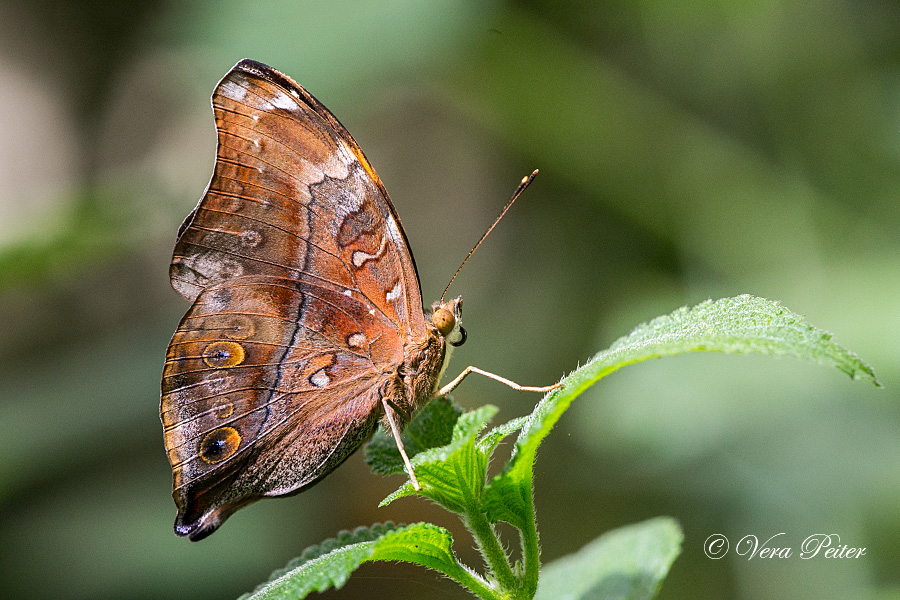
(307, 326)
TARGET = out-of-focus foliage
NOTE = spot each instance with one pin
(630, 562)
(687, 150)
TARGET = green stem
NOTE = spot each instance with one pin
(531, 550)
(491, 549)
(473, 582)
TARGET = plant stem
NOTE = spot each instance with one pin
(491, 549)
(531, 550)
(474, 582)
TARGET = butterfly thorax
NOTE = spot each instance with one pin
(417, 377)
(424, 362)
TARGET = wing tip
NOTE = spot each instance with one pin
(200, 513)
(254, 67)
(197, 529)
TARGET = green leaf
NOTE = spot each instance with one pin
(629, 562)
(424, 544)
(453, 475)
(430, 428)
(470, 425)
(420, 543)
(505, 494)
(489, 441)
(324, 565)
(741, 325)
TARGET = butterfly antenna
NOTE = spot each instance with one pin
(526, 181)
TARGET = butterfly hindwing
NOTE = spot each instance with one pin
(269, 384)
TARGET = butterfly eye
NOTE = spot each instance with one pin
(461, 340)
(444, 320)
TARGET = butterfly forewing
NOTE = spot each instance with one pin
(304, 295)
(292, 193)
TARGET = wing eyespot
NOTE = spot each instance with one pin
(222, 355)
(219, 444)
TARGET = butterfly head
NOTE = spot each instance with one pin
(447, 318)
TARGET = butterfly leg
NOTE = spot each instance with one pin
(390, 417)
(522, 388)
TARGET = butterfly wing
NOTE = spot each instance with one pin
(304, 291)
(269, 385)
(293, 193)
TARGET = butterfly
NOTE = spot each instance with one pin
(307, 328)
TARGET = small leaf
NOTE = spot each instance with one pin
(506, 501)
(489, 441)
(471, 423)
(322, 566)
(343, 538)
(420, 543)
(454, 475)
(629, 562)
(740, 325)
(508, 498)
(430, 428)
(404, 490)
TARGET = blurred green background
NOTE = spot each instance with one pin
(687, 150)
